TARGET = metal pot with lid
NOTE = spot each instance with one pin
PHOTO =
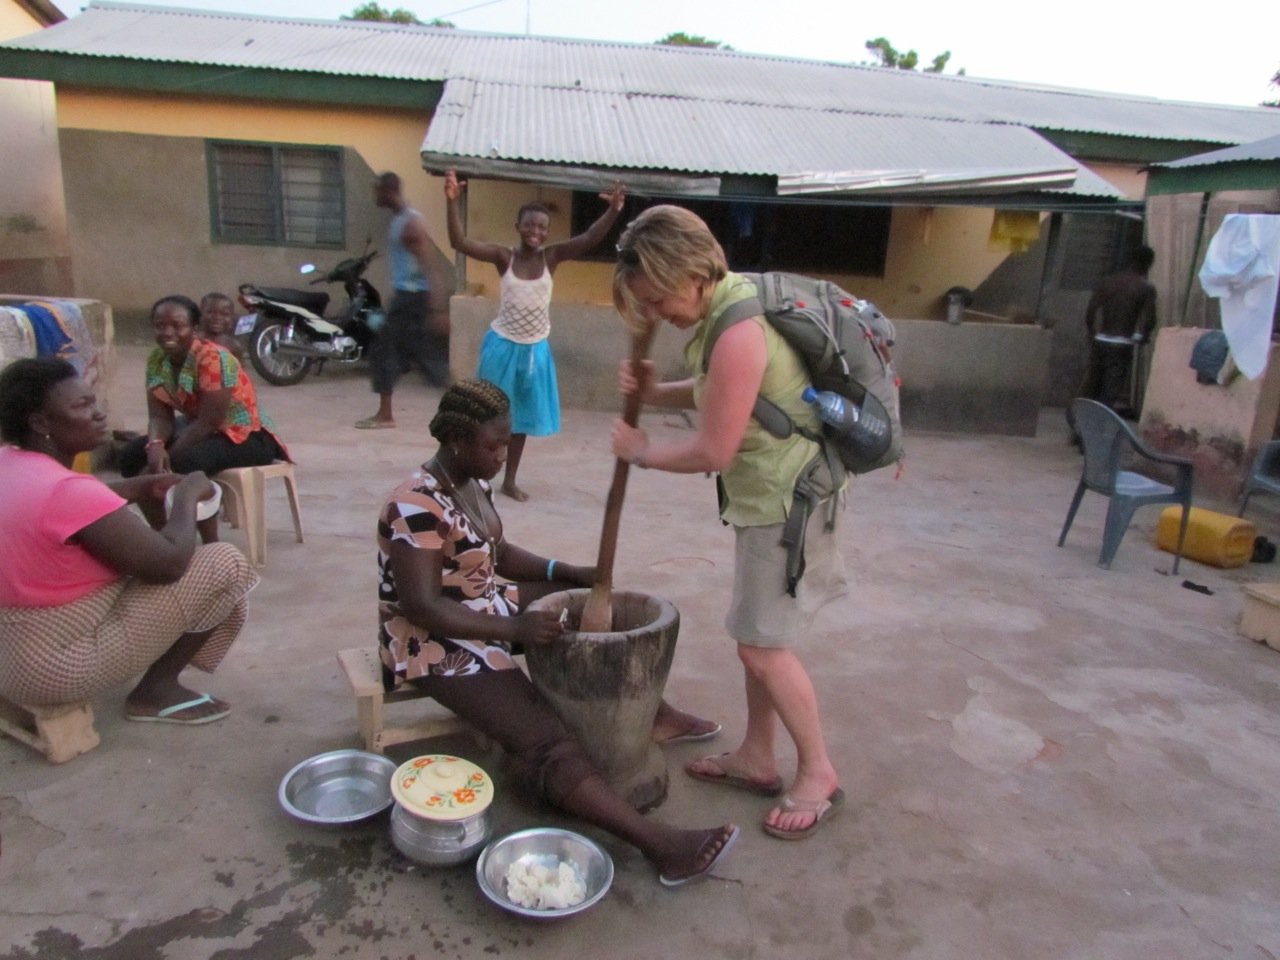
(441, 814)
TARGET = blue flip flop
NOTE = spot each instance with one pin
(170, 714)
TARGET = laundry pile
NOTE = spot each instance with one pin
(50, 328)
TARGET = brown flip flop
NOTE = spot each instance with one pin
(821, 809)
(767, 788)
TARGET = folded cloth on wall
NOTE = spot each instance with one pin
(1242, 270)
(17, 338)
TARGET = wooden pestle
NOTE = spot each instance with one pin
(597, 615)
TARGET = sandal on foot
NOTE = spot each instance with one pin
(821, 810)
(761, 788)
(705, 871)
(373, 423)
(170, 714)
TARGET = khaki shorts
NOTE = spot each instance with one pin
(762, 613)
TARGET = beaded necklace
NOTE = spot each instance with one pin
(468, 503)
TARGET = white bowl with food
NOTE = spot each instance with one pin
(206, 508)
(544, 873)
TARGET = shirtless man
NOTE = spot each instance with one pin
(1121, 315)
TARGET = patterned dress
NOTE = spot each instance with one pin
(420, 513)
(208, 367)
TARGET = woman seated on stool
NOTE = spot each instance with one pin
(447, 625)
(222, 426)
(90, 596)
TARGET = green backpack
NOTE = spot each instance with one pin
(844, 343)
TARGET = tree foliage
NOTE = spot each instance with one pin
(682, 39)
(376, 12)
(1275, 82)
(888, 56)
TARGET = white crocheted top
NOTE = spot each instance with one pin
(524, 307)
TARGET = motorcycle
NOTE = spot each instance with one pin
(288, 332)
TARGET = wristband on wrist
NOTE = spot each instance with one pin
(551, 570)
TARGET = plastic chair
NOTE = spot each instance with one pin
(244, 497)
(1262, 476)
(1109, 444)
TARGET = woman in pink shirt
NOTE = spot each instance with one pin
(90, 595)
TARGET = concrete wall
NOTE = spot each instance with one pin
(34, 251)
(970, 377)
(1219, 427)
(136, 180)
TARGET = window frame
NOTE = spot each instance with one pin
(279, 217)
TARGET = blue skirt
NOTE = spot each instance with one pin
(526, 372)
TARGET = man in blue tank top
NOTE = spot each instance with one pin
(407, 336)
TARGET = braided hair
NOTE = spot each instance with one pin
(465, 406)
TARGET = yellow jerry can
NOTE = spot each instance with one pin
(1213, 538)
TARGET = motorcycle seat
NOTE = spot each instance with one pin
(315, 301)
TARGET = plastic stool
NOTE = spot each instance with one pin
(246, 505)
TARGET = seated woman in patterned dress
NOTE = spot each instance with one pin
(447, 624)
(202, 409)
(90, 596)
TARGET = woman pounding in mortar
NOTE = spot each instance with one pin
(671, 268)
(447, 624)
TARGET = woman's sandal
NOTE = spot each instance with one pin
(170, 714)
(821, 809)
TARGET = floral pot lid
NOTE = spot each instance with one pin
(441, 787)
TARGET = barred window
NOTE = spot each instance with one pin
(269, 194)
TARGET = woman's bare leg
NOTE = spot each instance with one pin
(159, 687)
(515, 450)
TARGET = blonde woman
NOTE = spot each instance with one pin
(670, 268)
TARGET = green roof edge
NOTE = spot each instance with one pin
(298, 86)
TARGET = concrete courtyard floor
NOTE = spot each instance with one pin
(1043, 759)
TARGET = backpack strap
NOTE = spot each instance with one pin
(767, 413)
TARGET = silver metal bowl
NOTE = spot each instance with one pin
(342, 786)
(548, 846)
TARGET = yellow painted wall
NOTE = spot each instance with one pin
(34, 255)
(931, 249)
(376, 140)
(1127, 178)
(15, 21)
(386, 139)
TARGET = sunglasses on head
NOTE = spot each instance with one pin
(628, 257)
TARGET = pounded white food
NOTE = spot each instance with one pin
(539, 887)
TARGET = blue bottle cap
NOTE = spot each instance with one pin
(809, 395)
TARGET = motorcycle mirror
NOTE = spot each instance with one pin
(307, 268)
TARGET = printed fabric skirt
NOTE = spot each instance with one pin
(70, 653)
(526, 372)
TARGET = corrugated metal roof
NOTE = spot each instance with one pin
(811, 150)
(1267, 149)
(121, 30)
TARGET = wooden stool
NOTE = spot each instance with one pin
(364, 670)
(59, 732)
(246, 506)
(1260, 617)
